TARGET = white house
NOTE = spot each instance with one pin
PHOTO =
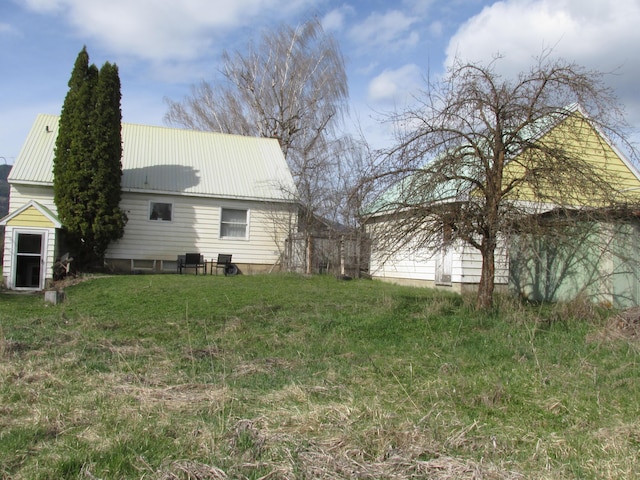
(183, 192)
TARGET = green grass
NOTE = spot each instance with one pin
(196, 377)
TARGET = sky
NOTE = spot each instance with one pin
(164, 47)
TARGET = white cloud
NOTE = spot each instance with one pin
(419, 6)
(395, 86)
(5, 28)
(590, 32)
(160, 31)
(436, 29)
(335, 19)
(598, 35)
(391, 31)
(44, 6)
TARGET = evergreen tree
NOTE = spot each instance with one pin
(107, 139)
(87, 164)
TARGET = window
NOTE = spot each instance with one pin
(161, 212)
(233, 223)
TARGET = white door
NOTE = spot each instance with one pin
(29, 260)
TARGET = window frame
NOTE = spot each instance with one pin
(159, 219)
(246, 224)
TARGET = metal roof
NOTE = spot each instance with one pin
(174, 161)
(411, 190)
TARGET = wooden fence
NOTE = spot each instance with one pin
(346, 255)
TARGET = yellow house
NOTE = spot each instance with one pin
(604, 263)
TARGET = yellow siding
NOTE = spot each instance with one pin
(583, 142)
(31, 217)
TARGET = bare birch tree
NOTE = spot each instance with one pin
(292, 86)
(475, 160)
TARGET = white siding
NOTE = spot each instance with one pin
(413, 265)
(195, 227)
(7, 259)
(404, 264)
(20, 195)
(471, 265)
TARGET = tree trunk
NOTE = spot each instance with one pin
(487, 277)
(309, 266)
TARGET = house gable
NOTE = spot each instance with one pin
(581, 140)
(31, 217)
(29, 269)
(31, 214)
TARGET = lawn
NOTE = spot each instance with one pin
(289, 377)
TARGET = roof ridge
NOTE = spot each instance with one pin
(177, 129)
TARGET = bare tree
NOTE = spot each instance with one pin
(292, 86)
(480, 157)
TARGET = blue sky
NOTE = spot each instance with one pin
(162, 47)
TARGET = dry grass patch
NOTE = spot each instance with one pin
(261, 366)
(174, 398)
(407, 453)
(622, 327)
(258, 445)
(300, 438)
(327, 465)
(621, 445)
(189, 470)
(627, 324)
